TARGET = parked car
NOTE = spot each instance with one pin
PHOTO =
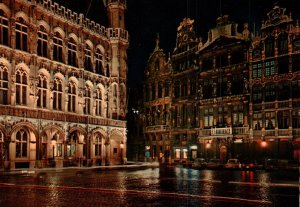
(199, 163)
(251, 165)
(214, 164)
(233, 164)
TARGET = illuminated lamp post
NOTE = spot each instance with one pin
(53, 143)
(122, 147)
(264, 144)
(207, 146)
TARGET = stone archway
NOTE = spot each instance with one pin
(117, 148)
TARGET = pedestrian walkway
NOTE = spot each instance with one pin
(27, 171)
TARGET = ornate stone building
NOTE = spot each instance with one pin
(62, 85)
(224, 92)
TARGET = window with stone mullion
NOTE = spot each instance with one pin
(87, 100)
(88, 58)
(71, 97)
(98, 103)
(42, 43)
(4, 40)
(72, 50)
(99, 62)
(21, 88)
(3, 85)
(42, 92)
(57, 48)
(21, 36)
(57, 94)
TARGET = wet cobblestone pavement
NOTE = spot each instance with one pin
(170, 186)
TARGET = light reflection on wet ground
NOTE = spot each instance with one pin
(169, 186)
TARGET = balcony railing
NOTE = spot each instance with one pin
(283, 132)
(270, 132)
(157, 128)
(240, 130)
(257, 133)
(296, 132)
(221, 131)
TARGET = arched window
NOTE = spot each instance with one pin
(98, 102)
(3, 85)
(57, 94)
(3, 29)
(87, 100)
(21, 35)
(57, 47)
(88, 58)
(21, 143)
(72, 50)
(42, 42)
(72, 97)
(42, 91)
(21, 87)
(99, 62)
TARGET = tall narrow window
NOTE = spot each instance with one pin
(42, 91)
(21, 144)
(87, 100)
(3, 85)
(270, 68)
(21, 35)
(21, 87)
(42, 42)
(270, 120)
(57, 47)
(72, 50)
(270, 93)
(208, 118)
(257, 120)
(283, 119)
(72, 97)
(159, 90)
(256, 73)
(57, 94)
(269, 47)
(237, 115)
(99, 62)
(166, 89)
(88, 58)
(3, 29)
(153, 91)
(283, 44)
(98, 102)
(257, 94)
(98, 145)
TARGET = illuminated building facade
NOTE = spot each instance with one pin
(225, 91)
(62, 86)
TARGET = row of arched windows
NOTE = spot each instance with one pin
(47, 90)
(53, 46)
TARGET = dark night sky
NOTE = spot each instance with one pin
(146, 18)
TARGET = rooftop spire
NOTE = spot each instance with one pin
(157, 42)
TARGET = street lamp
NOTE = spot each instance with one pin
(53, 142)
(121, 147)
